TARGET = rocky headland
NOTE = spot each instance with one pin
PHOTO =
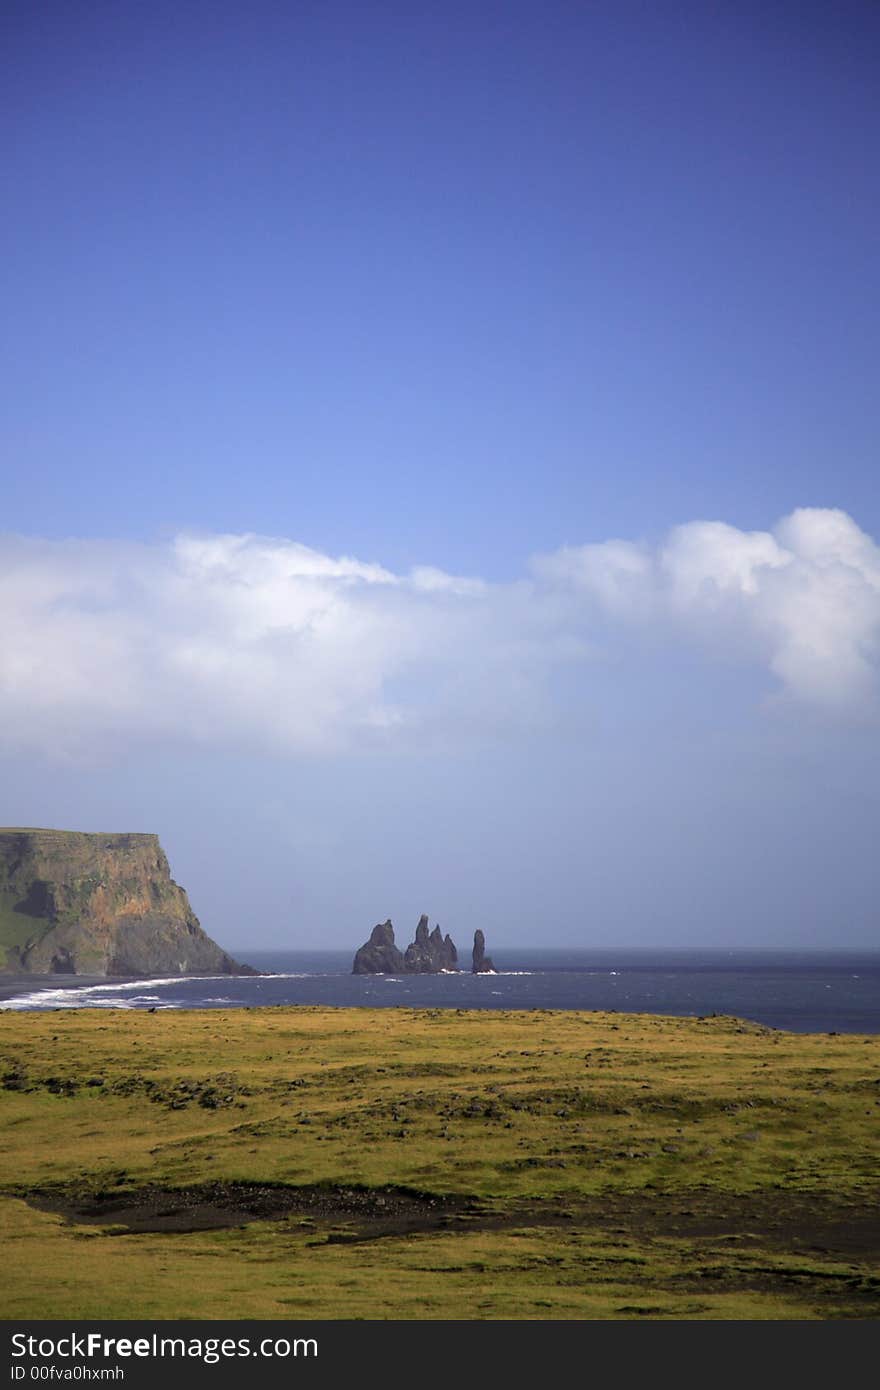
(82, 904)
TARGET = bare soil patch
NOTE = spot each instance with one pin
(815, 1222)
(206, 1206)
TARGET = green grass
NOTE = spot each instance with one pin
(713, 1169)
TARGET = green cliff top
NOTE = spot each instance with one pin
(77, 834)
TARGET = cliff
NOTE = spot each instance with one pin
(72, 903)
(427, 955)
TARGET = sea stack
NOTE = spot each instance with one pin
(82, 904)
(430, 953)
(379, 955)
(482, 963)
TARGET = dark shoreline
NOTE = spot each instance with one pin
(11, 985)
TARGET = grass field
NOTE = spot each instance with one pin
(313, 1162)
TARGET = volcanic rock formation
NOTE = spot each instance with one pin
(482, 963)
(379, 955)
(427, 955)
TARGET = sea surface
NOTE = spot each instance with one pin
(804, 992)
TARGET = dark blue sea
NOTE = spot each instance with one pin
(815, 992)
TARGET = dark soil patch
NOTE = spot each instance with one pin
(817, 1222)
(371, 1211)
(813, 1224)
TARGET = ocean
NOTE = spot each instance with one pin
(803, 992)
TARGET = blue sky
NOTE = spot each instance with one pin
(445, 289)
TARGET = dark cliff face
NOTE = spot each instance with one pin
(482, 964)
(72, 903)
(427, 955)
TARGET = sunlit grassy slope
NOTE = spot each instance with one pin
(692, 1168)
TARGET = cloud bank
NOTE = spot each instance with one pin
(249, 641)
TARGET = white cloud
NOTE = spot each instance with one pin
(804, 600)
(259, 641)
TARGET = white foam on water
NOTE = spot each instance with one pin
(64, 999)
(272, 975)
(91, 996)
(46, 998)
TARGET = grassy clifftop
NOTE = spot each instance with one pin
(96, 904)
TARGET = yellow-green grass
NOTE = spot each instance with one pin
(708, 1168)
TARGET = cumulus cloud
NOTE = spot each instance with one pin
(258, 641)
(804, 599)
